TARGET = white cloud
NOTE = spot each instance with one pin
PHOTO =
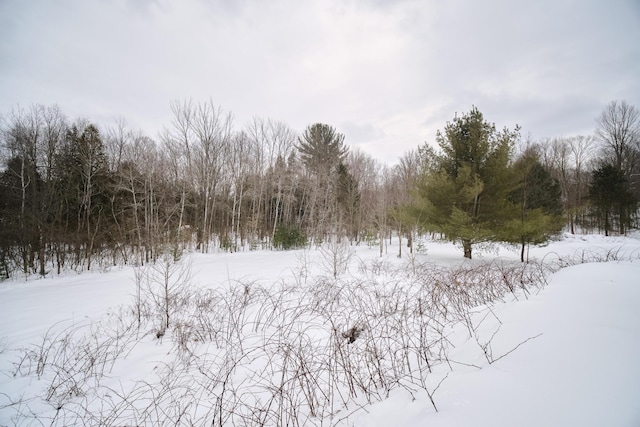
(390, 73)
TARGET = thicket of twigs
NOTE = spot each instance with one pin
(306, 352)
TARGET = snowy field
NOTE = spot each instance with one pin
(332, 336)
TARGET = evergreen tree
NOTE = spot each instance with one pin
(321, 148)
(20, 208)
(609, 194)
(537, 207)
(465, 196)
(84, 185)
(348, 196)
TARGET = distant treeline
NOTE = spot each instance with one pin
(74, 194)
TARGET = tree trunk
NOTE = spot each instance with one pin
(571, 222)
(43, 271)
(466, 245)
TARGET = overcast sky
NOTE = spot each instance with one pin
(387, 74)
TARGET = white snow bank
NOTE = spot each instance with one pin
(583, 371)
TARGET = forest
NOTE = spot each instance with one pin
(79, 195)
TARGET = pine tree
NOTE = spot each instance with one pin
(322, 150)
(465, 196)
(536, 203)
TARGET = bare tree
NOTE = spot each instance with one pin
(619, 130)
(257, 134)
(239, 165)
(282, 138)
(581, 148)
(406, 176)
(174, 151)
(272, 143)
(366, 171)
(116, 138)
(167, 286)
(212, 128)
(136, 178)
(555, 156)
(54, 126)
(201, 133)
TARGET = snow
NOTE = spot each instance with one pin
(562, 354)
(583, 370)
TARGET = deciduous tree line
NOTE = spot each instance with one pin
(73, 193)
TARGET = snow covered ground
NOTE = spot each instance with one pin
(564, 352)
(582, 371)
